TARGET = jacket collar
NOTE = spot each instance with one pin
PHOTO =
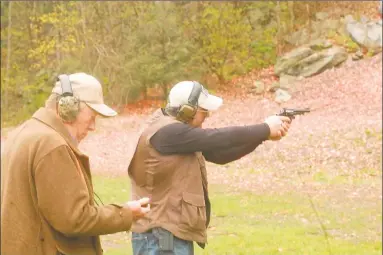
(49, 118)
(159, 113)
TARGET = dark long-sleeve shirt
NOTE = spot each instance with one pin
(218, 145)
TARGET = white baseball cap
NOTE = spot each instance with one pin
(89, 90)
(180, 93)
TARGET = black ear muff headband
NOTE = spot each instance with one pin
(194, 94)
(65, 85)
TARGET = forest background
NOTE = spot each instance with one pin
(139, 49)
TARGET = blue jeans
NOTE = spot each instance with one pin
(159, 241)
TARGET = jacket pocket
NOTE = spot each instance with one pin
(193, 211)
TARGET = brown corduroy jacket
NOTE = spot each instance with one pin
(47, 194)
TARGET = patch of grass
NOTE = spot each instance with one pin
(359, 142)
(268, 224)
(373, 133)
(321, 177)
(112, 189)
(362, 176)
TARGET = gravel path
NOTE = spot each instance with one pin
(340, 138)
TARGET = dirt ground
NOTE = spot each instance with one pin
(340, 140)
(341, 136)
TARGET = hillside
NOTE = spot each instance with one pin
(138, 50)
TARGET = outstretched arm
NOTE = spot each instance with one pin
(218, 145)
(231, 154)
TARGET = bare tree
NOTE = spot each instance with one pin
(9, 52)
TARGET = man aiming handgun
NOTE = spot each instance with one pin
(168, 166)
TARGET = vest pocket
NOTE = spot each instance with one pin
(193, 212)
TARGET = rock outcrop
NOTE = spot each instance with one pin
(364, 32)
(310, 59)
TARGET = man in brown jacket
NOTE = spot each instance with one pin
(47, 205)
(168, 166)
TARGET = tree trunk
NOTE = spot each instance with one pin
(9, 52)
(58, 53)
(29, 21)
(84, 34)
(59, 38)
(279, 28)
(290, 5)
(309, 19)
(145, 91)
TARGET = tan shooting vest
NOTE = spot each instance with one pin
(175, 184)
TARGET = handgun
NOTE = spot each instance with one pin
(289, 112)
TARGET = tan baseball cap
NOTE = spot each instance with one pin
(89, 90)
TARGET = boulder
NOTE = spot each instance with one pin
(357, 56)
(282, 96)
(365, 33)
(298, 38)
(310, 59)
(320, 45)
(291, 59)
(320, 28)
